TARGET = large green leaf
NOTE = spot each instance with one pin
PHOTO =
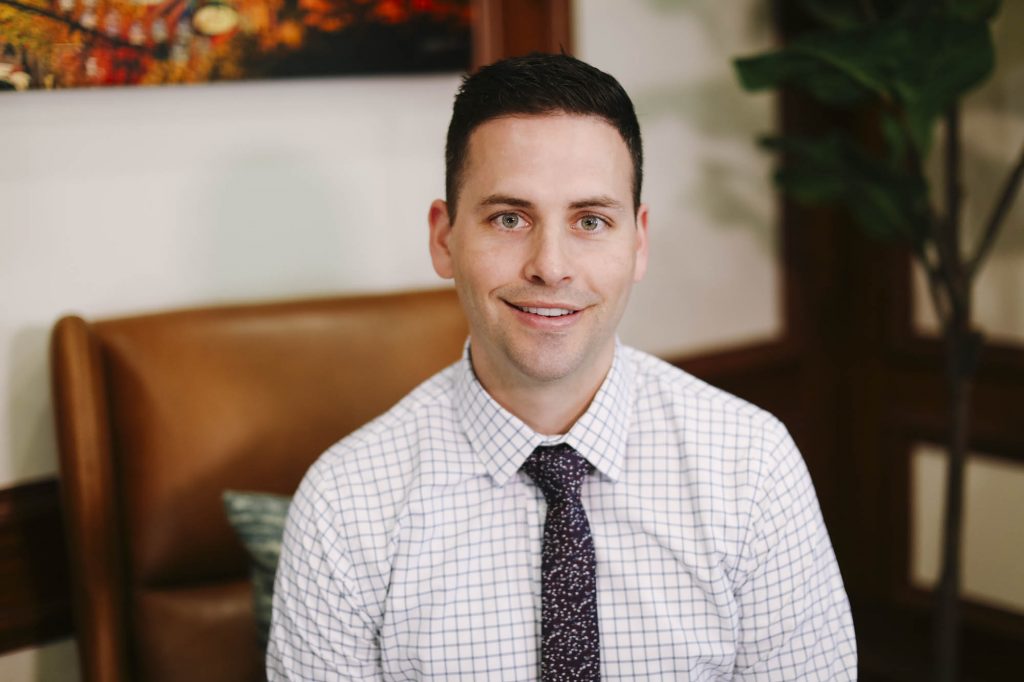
(848, 14)
(975, 10)
(945, 59)
(786, 67)
(837, 14)
(838, 68)
(897, 141)
(886, 201)
(919, 64)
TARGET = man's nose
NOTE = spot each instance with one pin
(548, 261)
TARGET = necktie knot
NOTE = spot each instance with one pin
(558, 471)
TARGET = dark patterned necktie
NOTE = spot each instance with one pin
(569, 637)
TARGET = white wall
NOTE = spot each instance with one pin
(117, 201)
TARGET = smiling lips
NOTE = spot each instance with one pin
(546, 312)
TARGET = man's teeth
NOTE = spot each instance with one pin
(547, 312)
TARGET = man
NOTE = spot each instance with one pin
(556, 505)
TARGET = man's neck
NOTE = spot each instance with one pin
(547, 407)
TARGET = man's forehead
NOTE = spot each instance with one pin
(512, 154)
(550, 123)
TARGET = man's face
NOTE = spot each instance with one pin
(545, 247)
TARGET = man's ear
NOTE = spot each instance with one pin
(640, 265)
(440, 232)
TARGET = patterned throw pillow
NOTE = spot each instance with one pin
(258, 518)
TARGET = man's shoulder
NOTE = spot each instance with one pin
(662, 386)
(728, 446)
(384, 449)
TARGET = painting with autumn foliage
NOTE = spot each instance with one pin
(48, 44)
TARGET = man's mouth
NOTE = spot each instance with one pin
(545, 312)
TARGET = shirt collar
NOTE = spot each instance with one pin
(503, 441)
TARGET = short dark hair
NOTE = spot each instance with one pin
(537, 84)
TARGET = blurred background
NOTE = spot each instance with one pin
(115, 201)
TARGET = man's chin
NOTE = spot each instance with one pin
(550, 365)
(545, 374)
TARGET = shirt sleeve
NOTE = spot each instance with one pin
(794, 615)
(321, 626)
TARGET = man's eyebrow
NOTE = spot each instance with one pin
(505, 200)
(601, 201)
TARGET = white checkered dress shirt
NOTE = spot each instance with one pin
(413, 547)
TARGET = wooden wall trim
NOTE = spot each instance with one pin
(893, 642)
(35, 592)
(919, 406)
(487, 34)
(508, 28)
(756, 373)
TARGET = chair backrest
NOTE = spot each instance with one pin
(158, 414)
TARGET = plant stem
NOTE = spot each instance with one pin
(952, 175)
(946, 267)
(961, 354)
(951, 225)
(962, 348)
(935, 283)
(999, 212)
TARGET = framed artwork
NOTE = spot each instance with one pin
(50, 44)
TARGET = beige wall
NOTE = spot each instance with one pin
(56, 662)
(993, 531)
(116, 201)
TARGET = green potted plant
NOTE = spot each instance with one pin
(905, 64)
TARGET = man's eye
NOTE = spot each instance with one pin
(510, 221)
(591, 223)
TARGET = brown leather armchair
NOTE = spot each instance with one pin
(158, 414)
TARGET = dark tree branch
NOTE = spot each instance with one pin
(948, 260)
(951, 225)
(946, 627)
(943, 305)
(995, 221)
(961, 353)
